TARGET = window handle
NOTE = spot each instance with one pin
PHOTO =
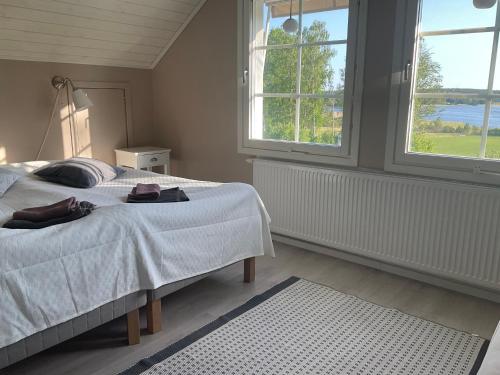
(407, 70)
(244, 79)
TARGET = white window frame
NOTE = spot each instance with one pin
(347, 153)
(403, 79)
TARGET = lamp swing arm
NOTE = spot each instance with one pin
(80, 102)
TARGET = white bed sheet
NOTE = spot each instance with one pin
(52, 275)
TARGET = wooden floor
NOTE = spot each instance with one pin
(104, 351)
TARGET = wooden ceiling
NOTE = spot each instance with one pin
(129, 33)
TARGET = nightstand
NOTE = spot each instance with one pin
(144, 157)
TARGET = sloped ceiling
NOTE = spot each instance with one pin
(129, 33)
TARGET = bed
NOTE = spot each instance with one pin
(53, 276)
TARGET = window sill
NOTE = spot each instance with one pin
(349, 161)
(461, 176)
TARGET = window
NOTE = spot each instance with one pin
(300, 91)
(447, 108)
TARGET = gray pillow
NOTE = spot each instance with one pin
(7, 179)
(79, 172)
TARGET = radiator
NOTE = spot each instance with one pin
(441, 228)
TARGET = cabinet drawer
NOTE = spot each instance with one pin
(152, 160)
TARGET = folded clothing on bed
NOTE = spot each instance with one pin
(166, 196)
(145, 192)
(69, 210)
(45, 213)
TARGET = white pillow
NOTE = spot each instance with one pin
(7, 179)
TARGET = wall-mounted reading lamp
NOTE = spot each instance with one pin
(80, 100)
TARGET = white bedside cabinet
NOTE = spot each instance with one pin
(144, 158)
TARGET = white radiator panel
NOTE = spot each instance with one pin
(446, 229)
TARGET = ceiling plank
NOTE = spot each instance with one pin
(26, 36)
(141, 10)
(128, 33)
(86, 23)
(65, 58)
(77, 32)
(93, 14)
(76, 51)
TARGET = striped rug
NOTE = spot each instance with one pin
(300, 327)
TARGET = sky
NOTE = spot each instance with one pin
(464, 59)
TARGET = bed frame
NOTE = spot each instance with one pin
(49, 337)
(128, 305)
(153, 306)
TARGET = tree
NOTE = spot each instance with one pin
(280, 76)
(429, 78)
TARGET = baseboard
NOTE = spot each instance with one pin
(442, 282)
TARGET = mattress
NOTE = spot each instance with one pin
(52, 275)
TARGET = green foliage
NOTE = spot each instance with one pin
(462, 145)
(280, 76)
(421, 142)
(429, 78)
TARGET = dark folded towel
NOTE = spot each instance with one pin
(82, 209)
(145, 192)
(54, 211)
(166, 196)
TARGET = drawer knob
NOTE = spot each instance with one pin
(153, 160)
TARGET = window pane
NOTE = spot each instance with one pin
(323, 69)
(269, 16)
(447, 126)
(278, 119)
(280, 71)
(325, 20)
(493, 141)
(454, 61)
(454, 14)
(320, 121)
(496, 80)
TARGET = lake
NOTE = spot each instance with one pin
(471, 114)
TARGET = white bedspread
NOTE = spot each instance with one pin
(52, 275)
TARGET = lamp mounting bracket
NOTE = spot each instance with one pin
(59, 82)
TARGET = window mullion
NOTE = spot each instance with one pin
(491, 80)
(299, 76)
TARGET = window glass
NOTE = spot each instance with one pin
(443, 62)
(311, 112)
(269, 17)
(447, 126)
(323, 68)
(493, 141)
(334, 18)
(320, 121)
(452, 99)
(454, 14)
(279, 119)
(280, 70)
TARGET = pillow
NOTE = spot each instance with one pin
(7, 179)
(79, 172)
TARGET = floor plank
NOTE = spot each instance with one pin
(104, 350)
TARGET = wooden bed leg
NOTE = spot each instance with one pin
(154, 315)
(249, 270)
(133, 327)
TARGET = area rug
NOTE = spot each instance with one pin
(300, 327)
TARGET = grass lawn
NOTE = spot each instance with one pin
(463, 145)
